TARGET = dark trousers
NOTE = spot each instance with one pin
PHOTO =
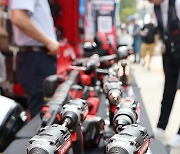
(179, 131)
(32, 69)
(170, 87)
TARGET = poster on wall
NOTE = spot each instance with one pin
(104, 23)
(100, 16)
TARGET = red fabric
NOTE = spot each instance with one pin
(69, 21)
(64, 58)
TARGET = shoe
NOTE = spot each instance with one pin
(174, 141)
(158, 132)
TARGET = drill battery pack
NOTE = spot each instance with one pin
(93, 129)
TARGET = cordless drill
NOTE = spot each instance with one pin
(122, 53)
(113, 90)
(50, 112)
(50, 140)
(74, 112)
(92, 63)
(114, 70)
(127, 113)
(133, 139)
(72, 115)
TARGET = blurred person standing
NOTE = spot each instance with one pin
(168, 18)
(130, 24)
(149, 39)
(35, 36)
(137, 41)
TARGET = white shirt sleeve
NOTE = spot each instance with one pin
(28, 5)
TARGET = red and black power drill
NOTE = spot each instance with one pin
(59, 138)
(72, 115)
(127, 113)
(113, 90)
(133, 139)
(50, 140)
(50, 112)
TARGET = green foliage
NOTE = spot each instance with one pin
(128, 3)
(128, 7)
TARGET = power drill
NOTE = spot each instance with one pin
(50, 112)
(74, 112)
(50, 140)
(127, 113)
(88, 69)
(113, 90)
(133, 139)
(122, 55)
(114, 70)
(72, 115)
(92, 63)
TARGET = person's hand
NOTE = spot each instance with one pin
(53, 47)
(162, 47)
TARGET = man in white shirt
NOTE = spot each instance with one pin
(35, 36)
(168, 15)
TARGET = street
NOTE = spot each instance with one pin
(151, 85)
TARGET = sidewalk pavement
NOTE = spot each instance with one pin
(151, 83)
